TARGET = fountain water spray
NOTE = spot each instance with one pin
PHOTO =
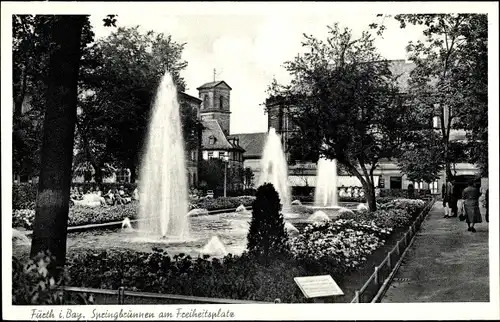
(274, 168)
(163, 177)
(326, 194)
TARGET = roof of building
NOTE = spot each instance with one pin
(212, 85)
(212, 129)
(253, 143)
(185, 96)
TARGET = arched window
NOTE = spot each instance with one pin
(221, 102)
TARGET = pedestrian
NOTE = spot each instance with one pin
(453, 199)
(447, 194)
(471, 206)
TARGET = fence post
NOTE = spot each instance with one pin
(397, 249)
(389, 261)
(376, 275)
(356, 297)
(121, 295)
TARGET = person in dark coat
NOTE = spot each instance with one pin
(453, 199)
(447, 195)
(471, 206)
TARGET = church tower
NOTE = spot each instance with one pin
(215, 97)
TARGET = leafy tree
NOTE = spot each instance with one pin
(267, 236)
(248, 176)
(51, 217)
(235, 177)
(192, 127)
(31, 48)
(120, 91)
(422, 161)
(211, 172)
(344, 102)
(450, 78)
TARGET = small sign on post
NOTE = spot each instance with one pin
(318, 287)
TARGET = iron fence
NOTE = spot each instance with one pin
(376, 285)
(123, 296)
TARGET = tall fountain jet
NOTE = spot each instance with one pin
(163, 177)
(326, 194)
(274, 168)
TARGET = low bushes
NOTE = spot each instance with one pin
(340, 199)
(334, 248)
(24, 195)
(343, 243)
(32, 283)
(222, 203)
(82, 215)
(412, 206)
(234, 277)
(390, 218)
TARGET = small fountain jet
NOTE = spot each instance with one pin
(126, 224)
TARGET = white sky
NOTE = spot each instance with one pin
(248, 50)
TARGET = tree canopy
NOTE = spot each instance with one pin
(31, 48)
(451, 79)
(117, 92)
(345, 103)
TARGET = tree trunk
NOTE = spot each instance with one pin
(97, 173)
(51, 218)
(18, 107)
(133, 173)
(370, 195)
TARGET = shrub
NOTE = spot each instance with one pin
(267, 235)
(24, 195)
(222, 203)
(383, 200)
(33, 284)
(234, 277)
(82, 215)
(342, 244)
(388, 218)
(412, 206)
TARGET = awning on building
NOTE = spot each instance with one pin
(346, 181)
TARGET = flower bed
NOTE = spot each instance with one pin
(222, 203)
(345, 242)
(340, 248)
(340, 199)
(82, 215)
(411, 206)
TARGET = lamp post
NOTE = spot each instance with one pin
(225, 159)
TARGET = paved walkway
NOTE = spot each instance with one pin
(446, 263)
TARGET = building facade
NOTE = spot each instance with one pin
(217, 143)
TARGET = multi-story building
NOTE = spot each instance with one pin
(215, 115)
(387, 175)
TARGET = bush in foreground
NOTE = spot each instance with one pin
(32, 283)
(267, 235)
